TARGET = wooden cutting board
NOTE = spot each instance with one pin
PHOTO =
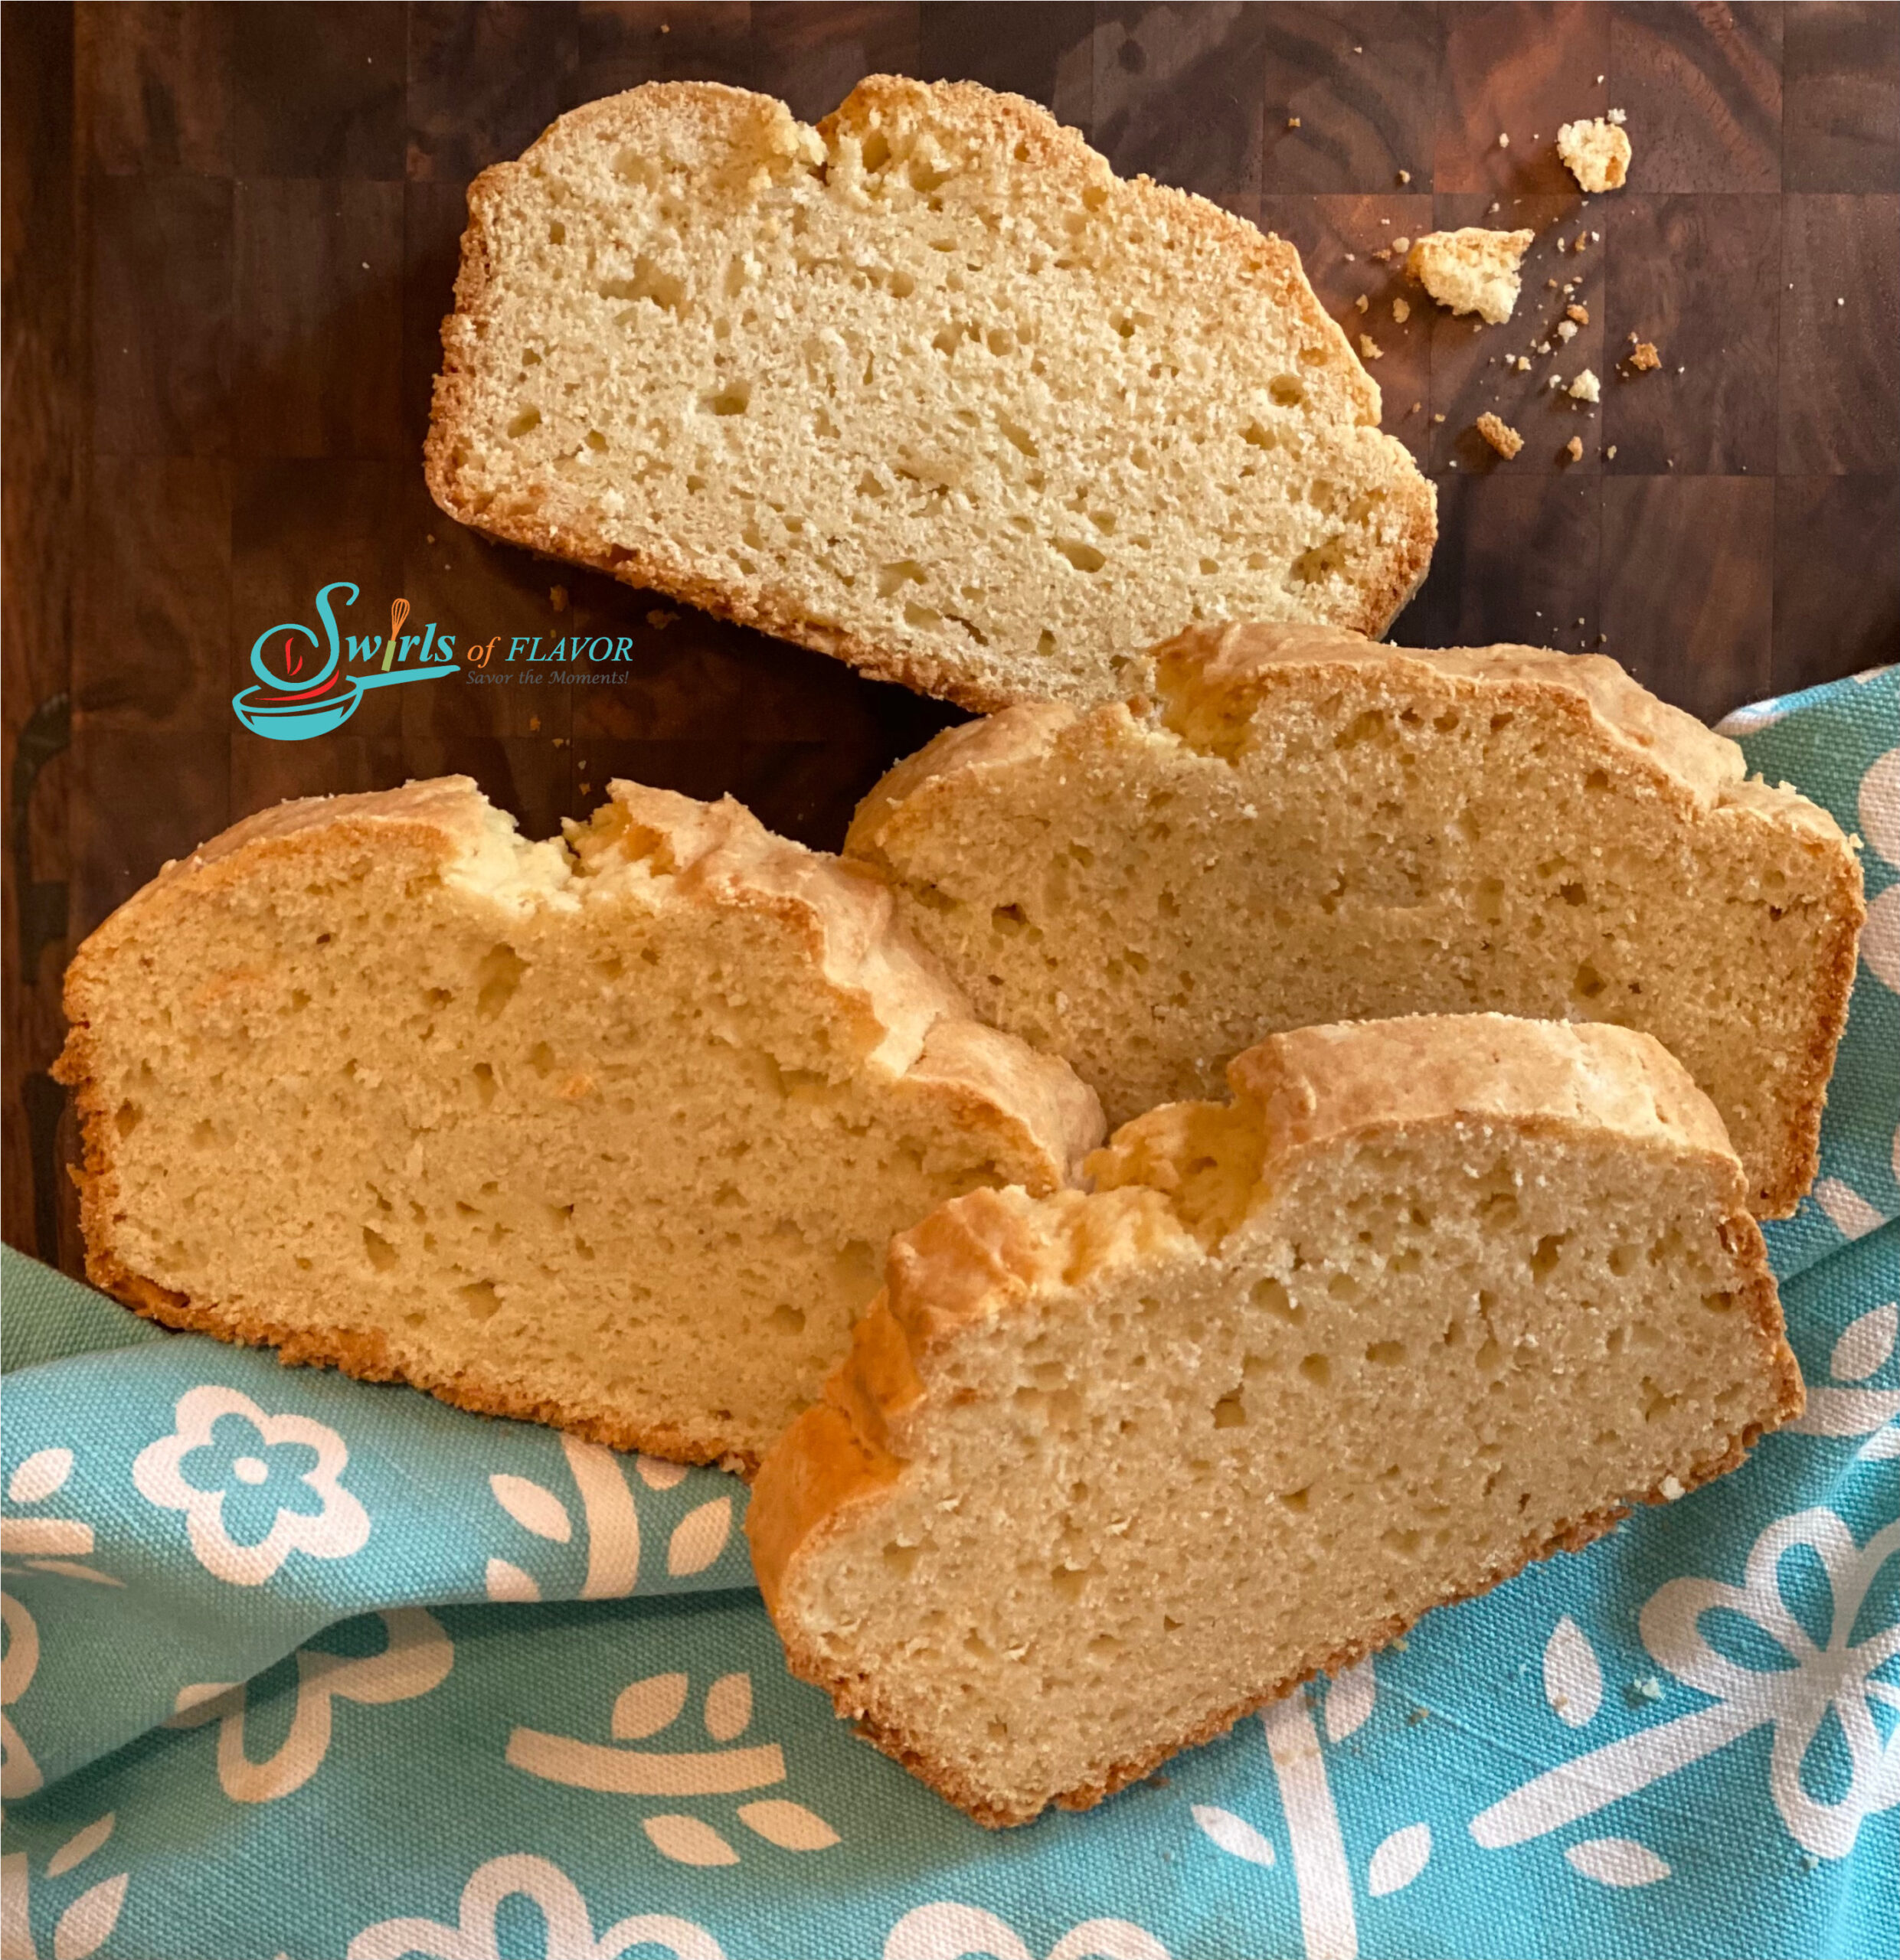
(230, 237)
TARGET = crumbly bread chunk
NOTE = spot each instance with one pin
(609, 1134)
(1430, 1298)
(1499, 434)
(1308, 827)
(1471, 271)
(927, 387)
(1597, 154)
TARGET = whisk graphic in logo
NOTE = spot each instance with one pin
(313, 689)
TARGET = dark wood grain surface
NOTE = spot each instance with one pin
(230, 236)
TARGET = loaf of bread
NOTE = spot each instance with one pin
(1428, 1299)
(927, 387)
(609, 1133)
(1303, 827)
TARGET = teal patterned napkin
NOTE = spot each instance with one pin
(298, 1668)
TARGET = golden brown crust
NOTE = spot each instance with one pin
(1315, 1085)
(1214, 676)
(1053, 151)
(719, 855)
(985, 1256)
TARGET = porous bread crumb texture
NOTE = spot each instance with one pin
(1597, 154)
(1584, 387)
(1305, 828)
(1643, 356)
(1574, 449)
(1104, 1472)
(610, 1134)
(1471, 271)
(927, 387)
(1499, 434)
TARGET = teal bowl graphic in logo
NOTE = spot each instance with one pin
(306, 699)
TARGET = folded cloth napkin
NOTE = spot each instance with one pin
(299, 1666)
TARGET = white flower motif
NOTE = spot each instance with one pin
(569, 1924)
(416, 1659)
(1794, 1700)
(227, 1456)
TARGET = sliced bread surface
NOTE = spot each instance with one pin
(1303, 827)
(1428, 1299)
(927, 387)
(609, 1133)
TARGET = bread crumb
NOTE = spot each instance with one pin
(1596, 153)
(534, 724)
(1573, 449)
(1523, 364)
(1370, 348)
(428, 537)
(1473, 270)
(1401, 311)
(1293, 122)
(1362, 303)
(1579, 314)
(660, 621)
(558, 597)
(1566, 330)
(1401, 244)
(1611, 452)
(1499, 434)
(1582, 243)
(1405, 177)
(1415, 407)
(1504, 142)
(1643, 356)
(1584, 387)
(1617, 116)
(1437, 418)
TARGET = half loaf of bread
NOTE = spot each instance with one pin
(610, 1134)
(1305, 828)
(1428, 1299)
(928, 388)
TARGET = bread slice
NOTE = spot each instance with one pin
(1471, 271)
(1306, 827)
(927, 387)
(608, 1133)
(1428, 1299)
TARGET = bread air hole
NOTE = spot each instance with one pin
(481, 1299)
(522, 424)
(382, 1255)
(500, 975)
